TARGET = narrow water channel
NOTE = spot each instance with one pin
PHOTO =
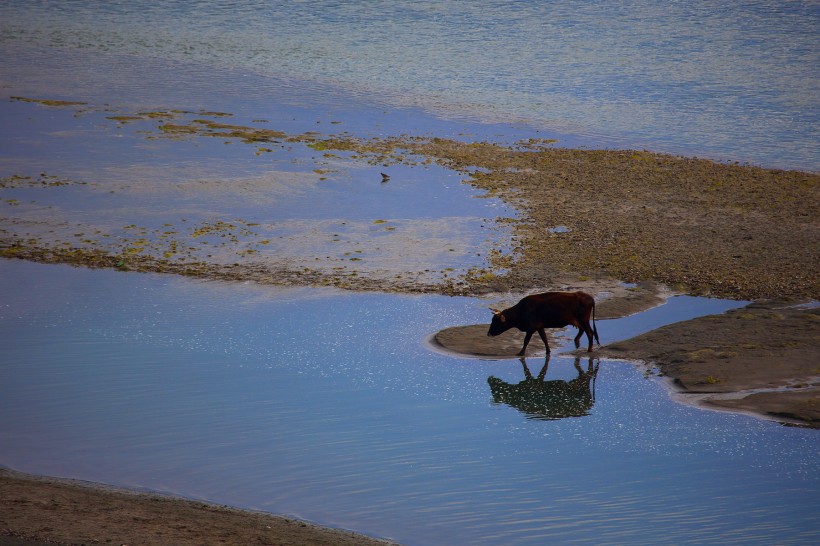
(331, 407)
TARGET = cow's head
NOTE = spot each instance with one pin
(500, 324)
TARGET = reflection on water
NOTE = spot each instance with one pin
(554, 399)
(329, 406)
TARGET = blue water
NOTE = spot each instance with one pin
(731, 81)
(331, 407)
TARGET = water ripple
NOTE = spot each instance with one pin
(734, 81)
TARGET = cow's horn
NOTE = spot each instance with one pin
(495, 311)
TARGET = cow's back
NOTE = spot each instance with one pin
(555, 309)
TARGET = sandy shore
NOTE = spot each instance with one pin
(36, 510)
(588, 220)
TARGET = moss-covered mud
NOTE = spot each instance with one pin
(708, 228)
(702, 227)
(587, 219)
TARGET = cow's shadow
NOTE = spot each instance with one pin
(555, 399)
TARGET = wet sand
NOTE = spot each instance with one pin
(589, 220)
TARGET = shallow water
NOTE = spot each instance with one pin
(330, 406)
(733, 82)
(127, 189)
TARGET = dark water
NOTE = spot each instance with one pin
(330, 406)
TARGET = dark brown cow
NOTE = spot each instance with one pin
(549, 310)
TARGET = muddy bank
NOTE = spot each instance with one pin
(35, 510)
(705, 228)
(613, 300)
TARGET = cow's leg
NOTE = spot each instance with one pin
(589, 332)
(526, 342)
(543, 335)
(578, 337)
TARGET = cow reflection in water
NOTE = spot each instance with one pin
(555, 399)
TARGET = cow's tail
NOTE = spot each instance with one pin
(595, 328)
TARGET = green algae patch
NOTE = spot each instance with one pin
(160, 114)
(208, 128)
(215, 114)
(40, 180)
(49, 102)
(243, 133)
(174, 129)
(124, 119)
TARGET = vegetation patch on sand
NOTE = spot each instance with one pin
(49, 102)
(707, 228)
(699, 226)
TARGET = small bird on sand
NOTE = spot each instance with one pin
(385, 177)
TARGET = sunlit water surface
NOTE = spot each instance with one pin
(331, 406)
(732, 81)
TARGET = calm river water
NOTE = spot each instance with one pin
(330, 406)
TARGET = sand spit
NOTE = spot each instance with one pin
(698, 226)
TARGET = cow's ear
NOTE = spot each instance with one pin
(499, 314)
